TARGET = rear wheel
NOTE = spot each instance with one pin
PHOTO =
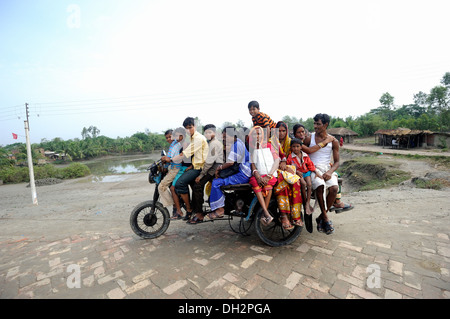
(274, 234)
(149, 223)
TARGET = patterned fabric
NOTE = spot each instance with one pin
(263, 120)
(284, 148)
(289, 198)
(289, 177)
(256, 188)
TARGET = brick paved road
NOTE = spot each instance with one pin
(410, 253)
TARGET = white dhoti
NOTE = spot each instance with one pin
(316, 181)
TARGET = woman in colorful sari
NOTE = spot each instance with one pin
(282, 142)
(289, 196)
(264, 164)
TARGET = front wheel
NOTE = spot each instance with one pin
(274, 234)
(147, 222)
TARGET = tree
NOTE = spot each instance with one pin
(387, 101)
(386, 108)
(446, 79)
(84, 133)
(94, 130)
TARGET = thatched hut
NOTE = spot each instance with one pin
(402, 137)
(347, 134)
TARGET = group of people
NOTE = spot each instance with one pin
(266, 157)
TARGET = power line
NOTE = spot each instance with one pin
(144, 102)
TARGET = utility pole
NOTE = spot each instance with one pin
(30, 159)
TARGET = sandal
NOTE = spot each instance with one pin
(308, 223)
(176, 216)
(297, 222)
(328, 227)
(266, 220)
(288, 225)
(188, 216)
(212, 216)
(319, 225)
(194, 221)
(338, 209)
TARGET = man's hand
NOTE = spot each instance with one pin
(166, 159)
(326, 176)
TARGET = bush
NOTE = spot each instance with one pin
(74, 170)
(11, 175)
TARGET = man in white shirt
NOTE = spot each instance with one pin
(322, 159)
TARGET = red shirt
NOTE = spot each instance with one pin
(305, 166)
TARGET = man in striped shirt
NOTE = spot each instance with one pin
(259, 118)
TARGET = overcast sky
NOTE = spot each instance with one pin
(128, 66)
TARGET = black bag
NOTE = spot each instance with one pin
(234, 169)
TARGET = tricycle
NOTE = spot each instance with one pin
(150, 219)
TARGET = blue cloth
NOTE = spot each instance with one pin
(308, 173)
(180, 172)
(239, 154)
(217, 198)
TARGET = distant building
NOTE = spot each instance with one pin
(54, 156)
(439, 139)
(347, 134)
(403, 138)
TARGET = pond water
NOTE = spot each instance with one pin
(115, 168)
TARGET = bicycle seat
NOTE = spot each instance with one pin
(237, 187)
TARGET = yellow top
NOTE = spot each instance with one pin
(198, 148)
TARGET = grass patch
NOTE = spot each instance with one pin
(435, 160)
(364, 140)
(372, 172)
(14, 174)
(435, 183)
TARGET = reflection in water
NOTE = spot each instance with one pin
(106, 169)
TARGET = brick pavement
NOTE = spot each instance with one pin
(210, 261)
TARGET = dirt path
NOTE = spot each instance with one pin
(380, 149)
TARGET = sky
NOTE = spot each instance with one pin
(146, 65)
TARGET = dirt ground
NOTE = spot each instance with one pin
(98, 205)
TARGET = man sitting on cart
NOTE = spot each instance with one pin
(236, 170)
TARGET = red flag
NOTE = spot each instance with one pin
(14, 136)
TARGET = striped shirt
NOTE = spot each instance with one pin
(263, 120)
(174, 150)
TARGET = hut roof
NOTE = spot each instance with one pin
(401, 131)
(341, 131)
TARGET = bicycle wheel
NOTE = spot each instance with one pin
(274, 234)
(148, 223)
